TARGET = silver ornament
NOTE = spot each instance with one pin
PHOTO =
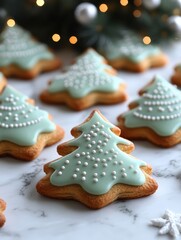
(174, 23)
(151, 4)
(85, 13)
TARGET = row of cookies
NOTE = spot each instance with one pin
(23, 57)
(96, 167)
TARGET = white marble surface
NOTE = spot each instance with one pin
(31, 216)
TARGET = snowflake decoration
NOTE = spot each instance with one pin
(170, 223)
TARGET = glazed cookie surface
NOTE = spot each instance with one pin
(96, 167)
(176, 78)
(24, 129)
(23, 57)
(87, 82)
(2, 208)
(156, 116)
(130, 53)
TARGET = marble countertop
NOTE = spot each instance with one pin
(32, 216)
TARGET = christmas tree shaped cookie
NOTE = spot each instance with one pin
(156, 116)
(87, 82)
(130, 53)
(24, 129)
(176, 78)
(2, 208)
(23, 57)
(96, 167)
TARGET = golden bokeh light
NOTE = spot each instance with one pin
(136, 13)
(124, 2)
(73, 39)
(103, 7)
(146, 40)
(11, 22)
(56, 37)
(137, 3)
(40, 3)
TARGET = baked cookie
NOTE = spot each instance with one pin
(23, 57)
(155, 116)
(24, 129)
(87, 82)
(176, 78)
(130, 53)
(2, 208)
(96, 168)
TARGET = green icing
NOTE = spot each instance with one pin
(1, 76)
(20, 122)
(131, 47)
(18, 47)
(159, 109)
(97, 164)
(88, 74)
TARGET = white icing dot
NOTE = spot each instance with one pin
(93, 151)
(114, 177)
(74, 175)
(84, 173)
(95, 180)
(83, 178)
(79, 162)
(113, 172)
(124, 175)
(77, 155)
(77, 169)
(120, 162)
(83, 153)
(86, 164)
(93, 142)
(123, 169)
(63, 167)
(67, 161)
(95, 174)
(103, 174)
(115, 162)
(135, 171)
(89, 145)
(131, 167)
(95, 165)
(59, 173)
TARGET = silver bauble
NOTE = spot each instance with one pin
(151, 4)
(174, 23)
(85, 13)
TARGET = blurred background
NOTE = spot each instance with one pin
(79, 24)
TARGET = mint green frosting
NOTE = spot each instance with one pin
(88, 74)
(97, 164)
(20, 122)
(159, 109)
(1, 76)
(18, 47)
(130, 47)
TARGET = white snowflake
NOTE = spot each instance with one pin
(170, 223)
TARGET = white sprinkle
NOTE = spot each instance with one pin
(79, 162)
(95, 165)
(59, 173)
(86, 164)
(96, 180)
(84, 173)
(63, 167)
(77, 169)
(124, 175)
(77, 155)
(74, 175)
(83, 178)
(83, 153)
(67, 161)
